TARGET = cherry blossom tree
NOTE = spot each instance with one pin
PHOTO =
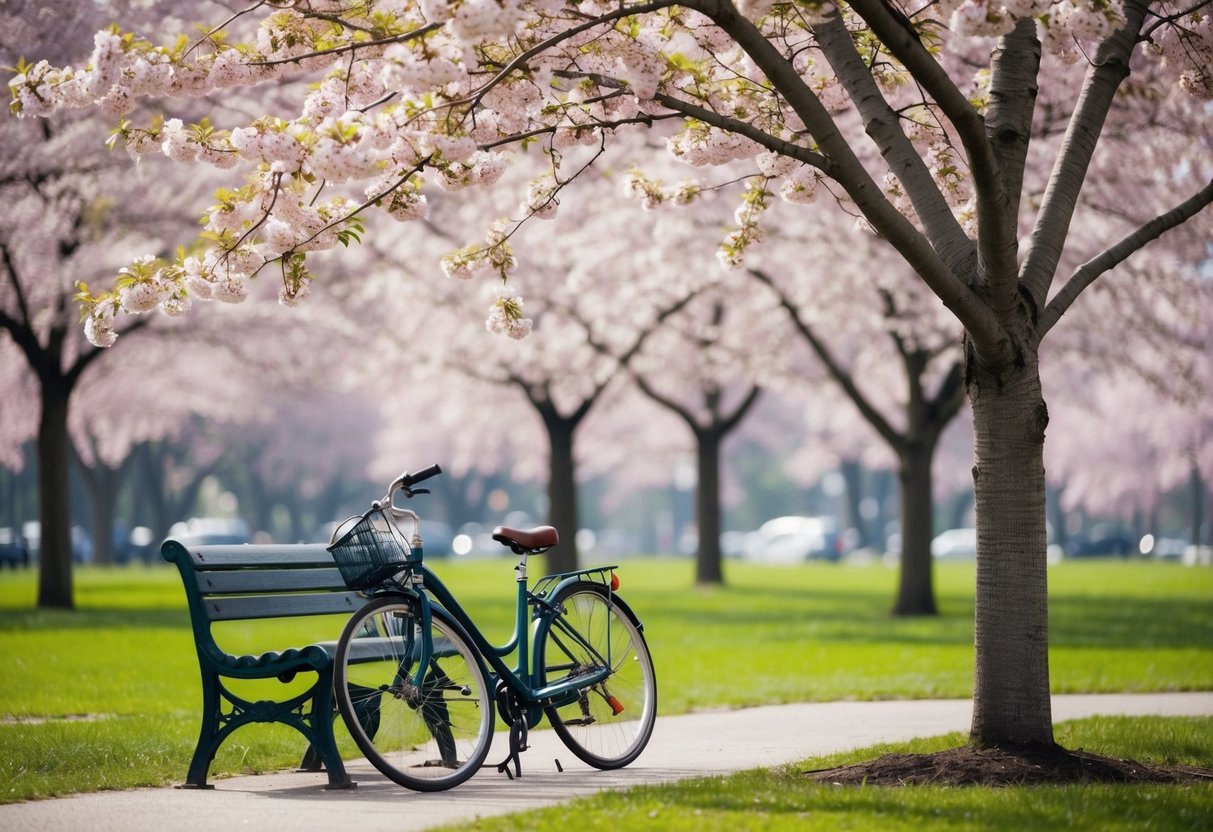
(895, 354)
(1131, 433)
(585, 326)
(705, 368)
(876, 103)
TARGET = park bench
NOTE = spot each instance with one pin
(250, 582)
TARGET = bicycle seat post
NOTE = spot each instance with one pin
(521, 567)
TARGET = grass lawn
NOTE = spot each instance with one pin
(108, 696)
(775, 800)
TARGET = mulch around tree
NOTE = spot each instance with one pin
(1037, 765)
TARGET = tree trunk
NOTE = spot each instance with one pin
(54, 511)
(916, 591)
(708, 561)
(562, 492)
(103, 484)
(852, 475)
(1011, 705)
(1197, 485)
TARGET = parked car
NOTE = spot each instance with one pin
(955, 544)
(81, 542)
(1162, 548)
(207, 531)
(794, 539)
(1102, 542)
(13, 551)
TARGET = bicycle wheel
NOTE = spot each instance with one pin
(428, 736)
(606, 724)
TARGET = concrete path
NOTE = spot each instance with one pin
(682, 746)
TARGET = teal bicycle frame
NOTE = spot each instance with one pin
(526, 678)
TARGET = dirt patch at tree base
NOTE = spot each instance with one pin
(1038, 765)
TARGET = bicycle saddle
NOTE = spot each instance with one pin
(533, 541)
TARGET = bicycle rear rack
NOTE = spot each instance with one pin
(596, 574)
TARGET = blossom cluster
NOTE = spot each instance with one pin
(505, 318)
(1188, 48)
(1061, 22)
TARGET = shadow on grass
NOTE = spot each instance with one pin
(125, 618)
(848, 616)
(1130, 622)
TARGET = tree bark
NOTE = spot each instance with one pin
(852, 475)
(562, 490)
(1011, 705)
(915, 589)
(55, 546)
(1197, 486)
(103, 484)
(709, 569)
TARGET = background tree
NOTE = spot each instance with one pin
(895, 354)
(586, 324)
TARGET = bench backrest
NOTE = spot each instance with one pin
(250, 581)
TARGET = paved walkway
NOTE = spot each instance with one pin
(682, 746)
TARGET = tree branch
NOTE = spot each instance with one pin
(898, 35)
(884, 128)
(1086, 274)
(1013, 81)
(1107, 72)
(785, 148)
(836, 370)
(10, 266)
(845, 168)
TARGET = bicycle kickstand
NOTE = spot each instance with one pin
(518, 732)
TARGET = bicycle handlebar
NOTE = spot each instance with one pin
(406, 481)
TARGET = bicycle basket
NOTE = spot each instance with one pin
(372, 551)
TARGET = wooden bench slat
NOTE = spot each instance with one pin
(248, 581)
(251, 555)
(237, 607)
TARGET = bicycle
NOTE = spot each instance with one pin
(418, 684)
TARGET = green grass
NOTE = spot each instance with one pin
(108, 696)
(783, 799)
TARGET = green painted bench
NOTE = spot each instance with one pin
(248, 582)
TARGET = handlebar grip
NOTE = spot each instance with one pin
(407, 480)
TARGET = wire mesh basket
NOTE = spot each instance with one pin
(372, 551)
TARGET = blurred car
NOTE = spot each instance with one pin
(141, 545)
(793, 539)
(81, 542)
(1102, 543)
(1198, 555)
(475, 540)
(13, 551)
(1163, 548)
(955, 544)
(209, 531)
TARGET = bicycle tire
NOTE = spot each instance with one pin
(607, 724)
(426, 737)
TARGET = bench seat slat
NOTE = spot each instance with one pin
(239, 607)
(248, 581)
(297, 556)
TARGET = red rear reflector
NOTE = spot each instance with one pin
(615, 704)
(614, 582)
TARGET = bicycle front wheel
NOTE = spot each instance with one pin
(427, 728)
(606, 724)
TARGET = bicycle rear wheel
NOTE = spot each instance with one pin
(606, 724)
(428, 736)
